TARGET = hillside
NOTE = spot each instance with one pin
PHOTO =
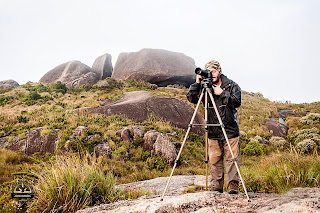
(269, 164)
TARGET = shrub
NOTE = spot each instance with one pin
(301, 135)
(278, 142)
(243, 136)
(142, 85)
(114, 83)
(311, 118)
(4, 100)
(59, 87)
(253, 149)
(85, 87)
(257, 139)
(40, 88)
(31, 98)
(22, 119)
(306, 131)
(306, 146)
(313, 136)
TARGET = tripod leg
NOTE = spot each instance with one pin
(206, 136)
(184, 140)
(226, 137)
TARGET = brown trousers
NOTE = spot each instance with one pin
(217, 149)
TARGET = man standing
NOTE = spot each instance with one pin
(227, 97)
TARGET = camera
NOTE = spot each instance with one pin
(204, 73)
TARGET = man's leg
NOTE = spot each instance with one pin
(216, 164)
(231, 170)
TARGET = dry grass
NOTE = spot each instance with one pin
(71, 183)
(274, 171)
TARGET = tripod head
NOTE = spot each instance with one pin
(206, 83)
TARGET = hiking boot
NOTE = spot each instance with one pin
(233, 187)
(216, 190)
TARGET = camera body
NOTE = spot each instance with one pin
(204, 73)
(207, 77)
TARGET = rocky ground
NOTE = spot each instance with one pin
(178, 200)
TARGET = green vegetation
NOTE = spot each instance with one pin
(72, 183)
(280, 172)
(286, 162)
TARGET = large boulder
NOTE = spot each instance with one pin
(102, 66)
(103, 148)
(8, 84)
(73, 74)
(156, 66)
(140, 105)
(149, 139)
(34, 141)
(166, 148)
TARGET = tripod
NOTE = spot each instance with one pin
(205, 91)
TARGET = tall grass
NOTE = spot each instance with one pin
(72, 183)
(278, 173)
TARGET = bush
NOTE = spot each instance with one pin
(306, 131)
(313, 136)
(59, 87)
(113, 83)
(253, 149)
(301, 135)
(4, 100)
(31, 98)
(278, 142)
(306, 146)
(85, 87)
(22, 119)
(311, 118)
(243, 136)
(257, 139)
(142, 85)
(40, 88)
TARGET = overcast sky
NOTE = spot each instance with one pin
(267, 46)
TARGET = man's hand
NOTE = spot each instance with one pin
(198, 79)
(217, 90)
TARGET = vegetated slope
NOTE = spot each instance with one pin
(266, 168)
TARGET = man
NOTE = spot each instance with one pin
(227, 96)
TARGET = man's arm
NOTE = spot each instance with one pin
(232, 98)
(193, 94)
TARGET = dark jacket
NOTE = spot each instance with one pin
(226, 102)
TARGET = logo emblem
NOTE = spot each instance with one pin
(22, 189)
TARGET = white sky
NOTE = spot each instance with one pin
(267, 46)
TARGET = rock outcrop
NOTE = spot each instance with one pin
(156, 66)
(140, 105)
(8, 84)
(164, 146)
(102, 66)
(160, 143)
(73, 74)
(149, 139)
(130, 133)
(177, 200)
(33, 142)
(103, 148)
